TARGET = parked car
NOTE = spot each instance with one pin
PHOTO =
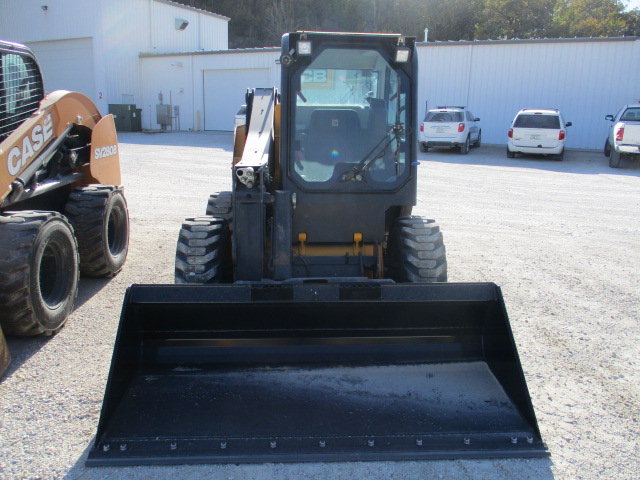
(537, 131)
(624, 134)
(450, 127)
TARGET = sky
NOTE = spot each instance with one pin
(633, 4)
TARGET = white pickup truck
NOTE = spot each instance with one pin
(624, 134)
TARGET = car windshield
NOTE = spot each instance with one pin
(537, 121)
(350, 114)
(444, 117)
(631, 115)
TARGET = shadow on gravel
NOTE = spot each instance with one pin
(575, 161)
(218, 139)
(23, 348)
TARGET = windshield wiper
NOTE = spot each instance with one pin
(356, 173)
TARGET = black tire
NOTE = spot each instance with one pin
(100, 219)
(464, 148)
(423, 147)
(607, 148)
(510, 154)
(203, 252)
(415, 251)
(220, 205)
(38, 272)
(560, 156)
(479, 140)
(614, 158)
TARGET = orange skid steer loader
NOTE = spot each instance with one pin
(62, 209)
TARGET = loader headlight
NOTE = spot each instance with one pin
(304, 47)
(403, 54)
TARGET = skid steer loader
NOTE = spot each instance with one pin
(62, 209)
(311, 319)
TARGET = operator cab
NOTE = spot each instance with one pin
(349, 118)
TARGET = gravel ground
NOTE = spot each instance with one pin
(561, 238)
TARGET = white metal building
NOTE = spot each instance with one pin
(93, 46)
(141, 51)
(585, 79)
(207, 87)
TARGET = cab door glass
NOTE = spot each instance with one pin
(20, 90)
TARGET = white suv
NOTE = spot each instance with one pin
(537, 131)
(450, 127)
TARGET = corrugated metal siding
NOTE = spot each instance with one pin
(586, 80)
(120, 31)
(25, 21)
(182, 78)
(204, 32)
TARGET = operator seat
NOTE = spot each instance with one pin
(333, 136)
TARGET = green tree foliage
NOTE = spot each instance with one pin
(589, 18)
(515, 18)
(256, 23)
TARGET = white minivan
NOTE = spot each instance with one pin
(537, 131)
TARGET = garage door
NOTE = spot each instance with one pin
(224, 92)
(66, 65)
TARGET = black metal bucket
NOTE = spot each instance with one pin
(314, 372)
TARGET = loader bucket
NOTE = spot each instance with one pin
(314, 372)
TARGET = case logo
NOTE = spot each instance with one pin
(31, 144)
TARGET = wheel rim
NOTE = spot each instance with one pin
(53, 280)
(117, 234)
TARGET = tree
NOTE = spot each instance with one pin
(589, 18)
(503, 19)
(452, 20)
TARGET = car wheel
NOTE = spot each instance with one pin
(614, 158)
(510, 154)
(607, 148)
(479, 140)
(464, 148)
(423, 146)
(560, 156)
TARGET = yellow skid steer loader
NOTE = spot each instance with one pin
(311, 319)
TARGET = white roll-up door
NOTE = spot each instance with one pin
(67, 65)
(224, 93)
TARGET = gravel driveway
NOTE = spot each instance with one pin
(562, 239)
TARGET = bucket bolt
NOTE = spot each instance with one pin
(173, 446)
(514, 440)
(273, 444)
(123, 447)
(467, 441)
(419, 442)
(106, 447)
(322, 444)
(223, 445)
(371, 443)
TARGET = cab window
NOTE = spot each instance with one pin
(20, 90)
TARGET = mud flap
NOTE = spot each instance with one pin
(314, 372)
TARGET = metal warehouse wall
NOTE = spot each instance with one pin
(118, 31)
(181, 78)
(585, 78)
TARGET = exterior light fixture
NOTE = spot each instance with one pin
(304, 47)
(181, 24)
(402, 55)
